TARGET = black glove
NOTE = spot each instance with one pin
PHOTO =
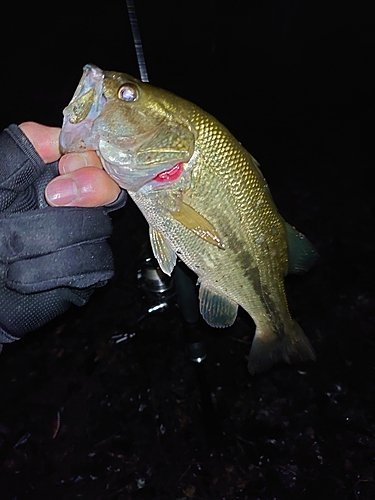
(49, 257)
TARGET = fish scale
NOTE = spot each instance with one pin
(215, 212)
(231, 196)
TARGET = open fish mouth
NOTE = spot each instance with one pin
(87, 103)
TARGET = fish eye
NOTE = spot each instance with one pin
(128, 92)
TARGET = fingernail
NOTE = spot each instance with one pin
(61, 191)
(72, 162)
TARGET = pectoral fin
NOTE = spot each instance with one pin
(217, 311)
(196, 223)
(301, 253)
(163, 251)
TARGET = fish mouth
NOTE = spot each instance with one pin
(78, 133)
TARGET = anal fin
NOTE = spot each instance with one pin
(217, 311)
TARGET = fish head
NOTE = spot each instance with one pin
(137, 130)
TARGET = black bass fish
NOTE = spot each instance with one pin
(205, 200)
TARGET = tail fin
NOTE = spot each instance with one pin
(269, 348)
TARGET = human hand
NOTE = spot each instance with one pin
(49, 258)
(82, 181)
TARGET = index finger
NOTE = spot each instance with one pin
(44, 139)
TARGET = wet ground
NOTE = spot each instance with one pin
(84, 416)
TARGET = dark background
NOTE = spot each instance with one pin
(138, 420)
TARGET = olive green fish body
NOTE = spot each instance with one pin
(205, 200)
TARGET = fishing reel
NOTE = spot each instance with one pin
(156, 286)
(168, 295)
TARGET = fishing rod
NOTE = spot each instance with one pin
(137, 40)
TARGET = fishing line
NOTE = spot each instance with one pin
(137, 40)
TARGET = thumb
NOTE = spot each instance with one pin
(85, 187)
